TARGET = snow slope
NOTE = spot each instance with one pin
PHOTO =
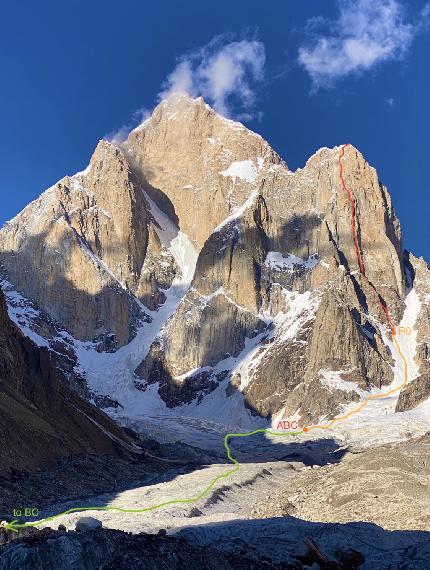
(113, 373)
(204, 423)
(377, 422)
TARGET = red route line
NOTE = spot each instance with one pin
(354, 235)
(351, 200)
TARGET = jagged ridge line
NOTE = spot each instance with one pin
(13, 526)
(355, 238)
(383, 305)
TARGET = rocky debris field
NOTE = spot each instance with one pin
(388, 486)
(86, 476)
(296, 545)
(111, 549)
(276, 514)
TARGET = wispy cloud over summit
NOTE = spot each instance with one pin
(224, 72)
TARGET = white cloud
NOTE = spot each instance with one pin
(425, 16)
(224, 73)
(366, 33)
(390, 101)
(181, 79)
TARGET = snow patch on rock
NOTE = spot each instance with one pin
(378, 423)
(243, 169)
(332, 379)
(280, 262)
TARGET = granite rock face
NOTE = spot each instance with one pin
(197, 163)
(289, 250)
(270, 298)
(86, 251)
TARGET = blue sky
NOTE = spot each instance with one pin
(302, 74)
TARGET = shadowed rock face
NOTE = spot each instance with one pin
(40, 419)
(113, 549)
(277, 265)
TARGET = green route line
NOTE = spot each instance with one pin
(14, 525)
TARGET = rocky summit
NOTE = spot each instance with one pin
(188, 271)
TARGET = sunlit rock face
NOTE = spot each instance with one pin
(242, 276)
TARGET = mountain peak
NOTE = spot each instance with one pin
(181, 97)
(192, 193)
(174, 104)
(182, 107)
(201, 162)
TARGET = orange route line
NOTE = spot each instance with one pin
(358, 409)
